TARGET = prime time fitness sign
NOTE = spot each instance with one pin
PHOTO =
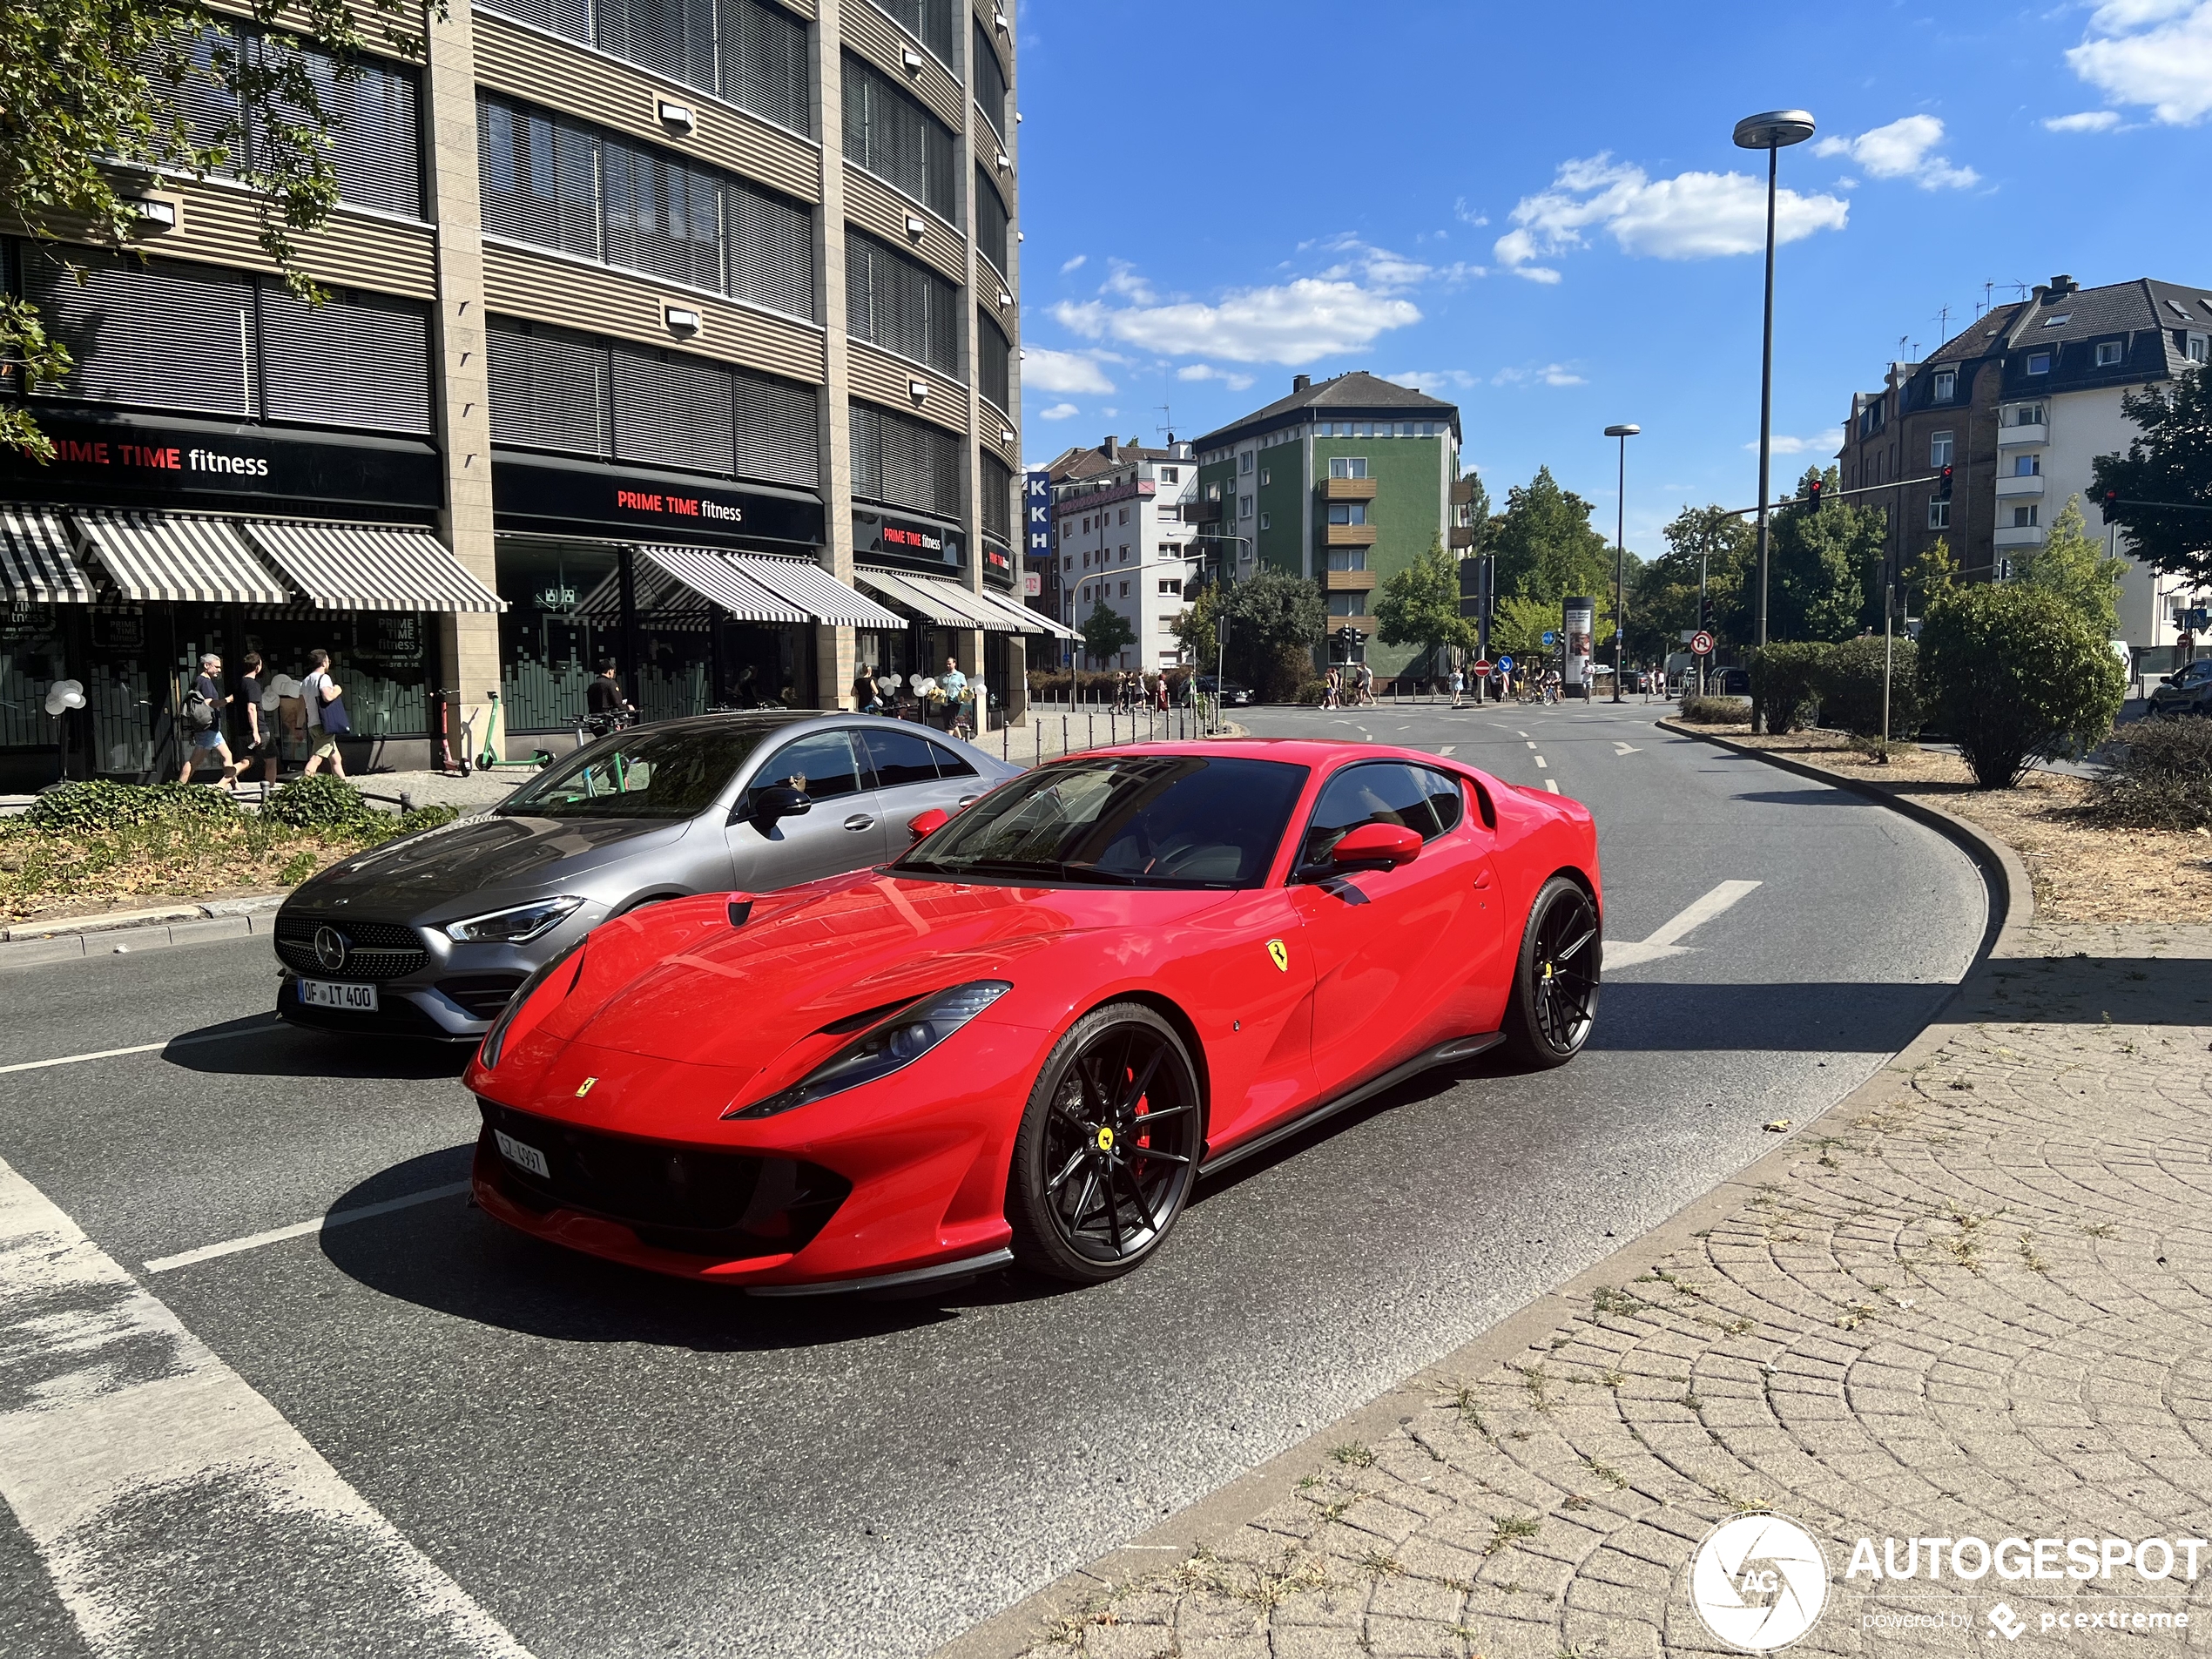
(150, 461)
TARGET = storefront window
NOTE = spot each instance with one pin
(118, 690)
(547, 649)
(30, 660)
(382, 661)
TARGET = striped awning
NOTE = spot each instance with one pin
(36, 566)
(1030, 621)
(947, 604)
(713, 575)
(364, 567)
(805, 583)
(171, 555)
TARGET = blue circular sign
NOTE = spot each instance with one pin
(1550, 638)
(1505, 664)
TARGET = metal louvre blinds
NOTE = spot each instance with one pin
(540, 178)
(764, 63)
(715, 577)
(867, 450)
(167, 555)
(672, 411)
(902, 306)
(890, 134)
(930, 21)
(670, 37)
(905, 461)
(160, 335)
(994, 359)
(376, 125)
(661, 216)
(916, 593)
(571, 18)
(36, 564)
(776, 436)
(805, 584)
(991, 222)
(548, 388)
(349, 362)
(989, 78)
(212, 113)
(771, 243)
(995, 484)
(355, 566)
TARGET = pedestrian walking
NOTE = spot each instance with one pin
(256, 702)
(953, 684)
(328, 720)
(864, 697)
(1458, 685)
(201, 719)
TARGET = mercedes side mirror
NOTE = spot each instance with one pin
(776, 801)
(1376, 847)
(923, 825)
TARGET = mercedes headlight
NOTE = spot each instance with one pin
(517, 927)
(896, 1041)
(496, 1038)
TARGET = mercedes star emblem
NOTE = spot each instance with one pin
(330, 949)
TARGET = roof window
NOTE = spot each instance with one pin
(2063, 318)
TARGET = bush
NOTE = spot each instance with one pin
(320, 801)
(1783, 692)
(98, 806)
(2161, 778)
(1715, 711)
(1849, 683)
(1312, 692)
(2014, 675)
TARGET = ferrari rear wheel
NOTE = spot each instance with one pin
(1556, 979)
(1107, 1149)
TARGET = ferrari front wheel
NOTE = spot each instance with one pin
(1555, 977)
(1108, 1147)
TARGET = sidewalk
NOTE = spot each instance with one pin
(1972, 1300)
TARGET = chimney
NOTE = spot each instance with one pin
(2062, 285)
(1112, 449)
(1301, 383)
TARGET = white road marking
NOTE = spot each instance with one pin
(1662, 943)
(127, 1450)
(1620, 748)
(139, 1048)
(300, 1228)
(1552, 785)
(1523, 734)
(1532, 745)
(1539, 763)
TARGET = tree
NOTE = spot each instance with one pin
(1662, 602)
(2074, 567)
(1518, 626)
(1544, 545)
(2015, 675)
(2164, 481)
(1819, 561)
(1930, 576)
(1194, 628)
(93, 97)
(1420, 605)
(1274, 622)
(1105, 633)
(1478, 512)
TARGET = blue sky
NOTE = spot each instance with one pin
(1536, 211)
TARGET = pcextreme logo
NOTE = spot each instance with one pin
(1759, 1581)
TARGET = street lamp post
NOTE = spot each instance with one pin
(1771, 132)
(1620, 549)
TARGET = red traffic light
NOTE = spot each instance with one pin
(1943, 489)
(1814, 495)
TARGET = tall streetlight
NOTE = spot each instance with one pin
(1771, 132)
(1620, 549)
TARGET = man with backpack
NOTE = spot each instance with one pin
(327, 718)
(201, 720)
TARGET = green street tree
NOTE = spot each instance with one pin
(1274, 622)
(1663, 601)
(1420, 605)
(2016, 675)
(1477, 513)
(2164, 481)
(2072, 566)
(94, 96)
(1544, 544)
(1106, 634)
(1819, 565)
(1930, 577)
(1194, 629)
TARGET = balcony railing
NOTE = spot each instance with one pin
(2030, 485)
(1348, 489)
(1349, 535)
(2011, 437)
(2019, 535)
(1348, 581)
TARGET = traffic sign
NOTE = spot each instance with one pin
(1482, 666)
(1550, 638)
(1701, 643)
(1505, 664)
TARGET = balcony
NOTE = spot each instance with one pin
(2011, 437)
(1462, 535)
(1347, 489)
(1463, 492)
(2031, 486)
(1202, 512)
(2019, 535)
(1349, 535)
(1347, 581)
(1364, 624)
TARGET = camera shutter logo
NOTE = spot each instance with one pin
(330, 949)
(1758, 1582)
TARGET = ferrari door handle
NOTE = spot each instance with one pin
(860, 821)
(1482, 878)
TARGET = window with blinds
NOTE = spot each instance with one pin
(670, 37)
(549, 387)
(930, 21)
(752, 52)
(994, 358)
(995, 483)
(764, 63)
(992, 225)
(901, 305)
(889, 134)
(905, 462)
(989, 79)
(212, 113)
(671, 410)
(557, 183)
(779, 436)
(356, 359)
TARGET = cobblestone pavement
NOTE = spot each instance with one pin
(1975, 1300)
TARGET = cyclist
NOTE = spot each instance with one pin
(605, 709)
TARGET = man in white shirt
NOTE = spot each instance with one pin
(319, 689)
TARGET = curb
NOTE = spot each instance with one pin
(1214, 1519)
(121, 933)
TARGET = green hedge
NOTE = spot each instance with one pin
(98, 805)
(1784, 692)
(320, 801)
(1848, 682)
(2015, 675)
(1715, 711)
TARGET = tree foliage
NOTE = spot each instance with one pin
(93, 96)
(1106, 633)
(1420, 605)
(1930, 576)
(1821, 562)
(2164, 481)
(2015, 675)
(1663, 601)
(1544, 545)
(1194, 629)
(2073, 566)
(1273, 621)
(1849, 680)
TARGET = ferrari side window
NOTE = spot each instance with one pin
(1379, 792)
(821, 766)
(899, 758)
(1446, 798)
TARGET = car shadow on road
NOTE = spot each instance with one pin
(1789, 1017)
(262, 1046)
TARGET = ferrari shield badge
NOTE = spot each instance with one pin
(1280, 954)
(584, 1088)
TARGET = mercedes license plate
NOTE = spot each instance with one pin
(526, 1158)
(327, 993)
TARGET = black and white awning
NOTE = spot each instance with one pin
(362, 567)
(1028, 621)
(821, 596)
(37, 565)
(177, 556)
(946, 604)
(715, 575)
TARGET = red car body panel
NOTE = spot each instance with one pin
(670, 1017)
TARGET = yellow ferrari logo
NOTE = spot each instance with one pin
(1279, 954)
(584, 1088)
(1105, 1137)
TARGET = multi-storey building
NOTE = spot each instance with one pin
(1343, 482)
(1120, 539)
(2018, 406)
(682, 332)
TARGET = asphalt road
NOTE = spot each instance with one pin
(604, 1463)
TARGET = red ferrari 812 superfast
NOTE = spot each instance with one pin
(1027, 1039)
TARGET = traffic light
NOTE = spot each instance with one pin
(1943, 488)
(1705, 612)
(1813, 496)
(2110, 503)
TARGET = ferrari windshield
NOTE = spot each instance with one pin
(1123, 820)
(656, 771)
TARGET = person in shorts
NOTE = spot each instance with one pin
(318, 691)
(203, 719)
(253, 686)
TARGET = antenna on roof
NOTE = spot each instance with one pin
(1167, 424)
(1943, 320)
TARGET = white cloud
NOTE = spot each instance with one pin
(1058, 412)
(1820, 444)
(1076, 264)
(2088, 121)
(2156, 52)
(1291, 322)
(1432, 380)
(1549, 375)
(1062, 371)
(1903, 149)
(1691, 216)
(1124, 281)
(1467, 215)
(1235, 382)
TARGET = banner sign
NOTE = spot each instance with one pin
(1579, 618)
(573, 495)
(1036, 509)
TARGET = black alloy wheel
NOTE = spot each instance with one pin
(1108, 1147)
(1555, 978)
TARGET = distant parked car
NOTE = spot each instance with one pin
(1727, 682)
(429, 936)
(1232, 694)
(2187, 690)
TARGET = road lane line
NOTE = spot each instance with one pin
(140, 1048)
(1620, 748)
(300, 1228)
(1552, 785)
(163, 1494)
(1720, 898)
(1447, 748)
(1540, 764)
(1532, 745)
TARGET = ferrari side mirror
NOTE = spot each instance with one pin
(1376, 847)
(928, 822)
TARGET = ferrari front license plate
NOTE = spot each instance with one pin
(324, 993)
(528, 1158)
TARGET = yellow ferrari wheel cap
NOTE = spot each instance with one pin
(1279, 954)
(1105, 1137)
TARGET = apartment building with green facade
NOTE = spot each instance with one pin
(1344, 483)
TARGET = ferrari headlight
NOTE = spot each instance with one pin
(895, 1041)
(496, 1038)
(515, 927)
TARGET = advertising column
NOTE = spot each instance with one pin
(1580, 617)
